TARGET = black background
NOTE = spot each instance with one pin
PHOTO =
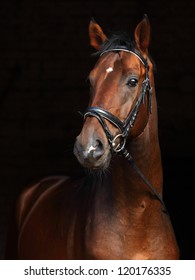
(44, 62)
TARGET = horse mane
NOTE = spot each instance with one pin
(116, 40)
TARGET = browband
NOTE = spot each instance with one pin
(133, 51)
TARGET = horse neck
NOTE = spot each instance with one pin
(145, 151)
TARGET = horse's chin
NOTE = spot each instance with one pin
(96, 165)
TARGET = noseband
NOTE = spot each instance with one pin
(125, 126)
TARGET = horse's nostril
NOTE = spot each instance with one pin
(99, 149)
(99, 144)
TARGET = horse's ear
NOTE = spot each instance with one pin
(96, 35)
(142, 35)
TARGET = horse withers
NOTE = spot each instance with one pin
(116, 211)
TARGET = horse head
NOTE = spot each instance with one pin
(119, 103)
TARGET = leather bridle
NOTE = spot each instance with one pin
(125, 126)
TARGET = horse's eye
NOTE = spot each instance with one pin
(132, 82)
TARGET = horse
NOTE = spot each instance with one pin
(116, 211)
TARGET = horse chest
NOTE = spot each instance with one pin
(113, 240)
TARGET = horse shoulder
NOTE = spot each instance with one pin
(25, 202)
(29, 197)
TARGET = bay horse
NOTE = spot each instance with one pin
(117, 210)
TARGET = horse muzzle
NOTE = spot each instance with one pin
(93, 153)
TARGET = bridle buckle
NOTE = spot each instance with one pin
(117, 148)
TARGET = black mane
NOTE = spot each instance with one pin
(116, 40)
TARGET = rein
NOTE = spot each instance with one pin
(125, 126)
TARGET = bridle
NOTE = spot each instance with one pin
(125, 126)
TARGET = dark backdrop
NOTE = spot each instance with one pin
(44, 61)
